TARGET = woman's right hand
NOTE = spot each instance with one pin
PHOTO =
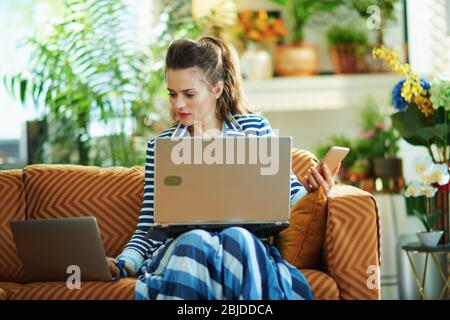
(112, 264)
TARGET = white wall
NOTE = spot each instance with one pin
(429, 38)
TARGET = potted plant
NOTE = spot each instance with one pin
(257, 32)
(298, 57)
(352, 169)
(430, 174)
(76, 81)
(422, 119)
(377, 144)
(348, 48)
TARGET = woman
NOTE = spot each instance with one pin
(203, 83)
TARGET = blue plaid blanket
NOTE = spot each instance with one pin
(232, 264)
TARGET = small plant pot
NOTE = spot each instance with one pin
(348, 58)
(430, 239)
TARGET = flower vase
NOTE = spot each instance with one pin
(256, 62)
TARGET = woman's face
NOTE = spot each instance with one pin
(191, 98)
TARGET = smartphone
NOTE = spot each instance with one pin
(334, 156)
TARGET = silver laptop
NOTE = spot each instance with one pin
(50, 248)
(212, 184)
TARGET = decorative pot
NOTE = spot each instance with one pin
(430, 239)
(256, 63)
(348, 58)
(296, 60)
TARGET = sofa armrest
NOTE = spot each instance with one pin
(352, 243)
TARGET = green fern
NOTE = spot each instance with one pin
(89, 69)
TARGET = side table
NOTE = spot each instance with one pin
(416, 248)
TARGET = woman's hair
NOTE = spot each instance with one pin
(218, 62)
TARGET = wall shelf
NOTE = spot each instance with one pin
(319, 92)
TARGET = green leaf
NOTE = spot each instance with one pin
(422, 217)
(36, 92)
(433, 219)
(426, 134)
(23, 90)
(281, 2)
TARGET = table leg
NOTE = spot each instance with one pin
(444, 279)
(416, 276)
(424, 275)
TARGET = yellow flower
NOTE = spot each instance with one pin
(412, 90)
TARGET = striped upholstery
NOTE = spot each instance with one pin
(9, 288)
(112, 195)
(301, 161)
(352, 242)
(323, 286)
(12, 207)
(122, 289)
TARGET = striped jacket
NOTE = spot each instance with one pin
(140, 248)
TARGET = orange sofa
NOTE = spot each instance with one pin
(350, 248)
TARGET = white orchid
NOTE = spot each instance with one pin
(429, 173)
(439, 174)
(422, 164)
(426, 178)
(429, 191)
(414, 189)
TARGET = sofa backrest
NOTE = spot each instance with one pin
(12, 207)
(113, 195)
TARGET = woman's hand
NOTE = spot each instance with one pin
(112, 264)
(316, 177)
(114, 268)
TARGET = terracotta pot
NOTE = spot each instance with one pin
(348, 58)
(296, 60)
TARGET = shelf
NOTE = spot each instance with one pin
(319, 92)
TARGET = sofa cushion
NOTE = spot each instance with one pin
(122, 289)
(9, 288)
(301, 243)
(323, 286)
(12, 207)
(112, 195)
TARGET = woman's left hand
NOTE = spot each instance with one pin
(320, 177)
